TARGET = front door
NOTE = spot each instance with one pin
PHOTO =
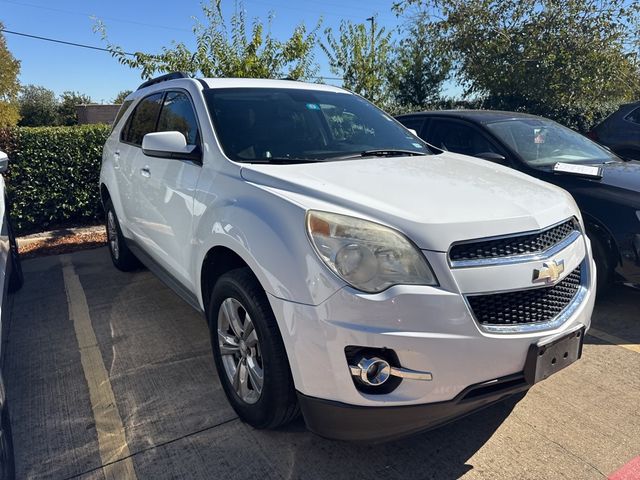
(167, 190)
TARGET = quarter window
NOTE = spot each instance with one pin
(143, 119)
(178, 115)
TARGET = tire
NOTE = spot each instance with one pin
(16, 277)
(603, 264)
(238, 299)
(121, 256)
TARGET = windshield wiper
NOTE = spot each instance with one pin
(381, 152)
(280, 160)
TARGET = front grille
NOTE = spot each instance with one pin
(519, 244)
(534, 305)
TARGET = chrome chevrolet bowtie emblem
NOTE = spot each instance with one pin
(550, 272)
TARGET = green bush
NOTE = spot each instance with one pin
(53, 175)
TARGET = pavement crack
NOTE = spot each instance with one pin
(152, 447)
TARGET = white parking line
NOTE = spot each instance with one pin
(112, 441)
(620, 342)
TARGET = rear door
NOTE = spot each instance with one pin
(167, 188)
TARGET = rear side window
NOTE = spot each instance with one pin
(178, 115)
(458, 138)
(634, 116)
(143, 119)
(414, 123)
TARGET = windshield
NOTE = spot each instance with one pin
(543, 143)
(270, 124)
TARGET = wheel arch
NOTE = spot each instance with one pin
(217, 261)
(105, 196)
(595, 228)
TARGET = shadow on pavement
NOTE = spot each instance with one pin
(441, 453)
(617, 313)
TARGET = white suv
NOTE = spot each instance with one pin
(346, 269)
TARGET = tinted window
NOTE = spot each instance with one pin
(414, 123)
(458, 138)
(178, 115)
(300, 124)
(634, 116)
(143, 119)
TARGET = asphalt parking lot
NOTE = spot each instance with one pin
(110, 375)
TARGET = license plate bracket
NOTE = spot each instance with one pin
(546, 358)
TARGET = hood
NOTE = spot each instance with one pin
(434, 200)
(624, 175)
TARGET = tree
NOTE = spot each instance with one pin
(540, 55)
(67, 114)
(38, 106)
(361, 57)
(9, 85)
(232, 49)
(417, 74)
(121, 96)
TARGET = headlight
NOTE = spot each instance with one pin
(366, 255)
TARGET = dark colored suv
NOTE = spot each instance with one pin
(620, 131)
(609, 200)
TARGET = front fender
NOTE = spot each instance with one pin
(268, 232)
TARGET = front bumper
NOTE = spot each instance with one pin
(430, 329)
(340, 421)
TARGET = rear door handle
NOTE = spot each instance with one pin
(116, 159)
(145, 172)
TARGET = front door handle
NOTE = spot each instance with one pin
(145, 172)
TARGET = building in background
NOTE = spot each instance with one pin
(95, 113)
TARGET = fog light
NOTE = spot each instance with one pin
(374, 371)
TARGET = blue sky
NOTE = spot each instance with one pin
(143, 25)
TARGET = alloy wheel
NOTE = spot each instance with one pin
(240, 350)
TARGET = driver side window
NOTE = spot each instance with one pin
(177, 115)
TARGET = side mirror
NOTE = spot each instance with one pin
(4, 162)
(492, 157)
(170, 145)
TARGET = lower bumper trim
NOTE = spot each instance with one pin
(342, 421)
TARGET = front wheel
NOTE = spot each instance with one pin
(249, 353)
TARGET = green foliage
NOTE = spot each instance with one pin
(550, 57)
(53, 175)
(229, 49)
(362, 58)
(67, 107)
(9, 85)
(38, 106)
(418, 72)
(119, 99)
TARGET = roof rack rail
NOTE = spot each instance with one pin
(163, 78)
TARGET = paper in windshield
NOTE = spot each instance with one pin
(585, 170)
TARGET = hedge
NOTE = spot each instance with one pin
(53, 176)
